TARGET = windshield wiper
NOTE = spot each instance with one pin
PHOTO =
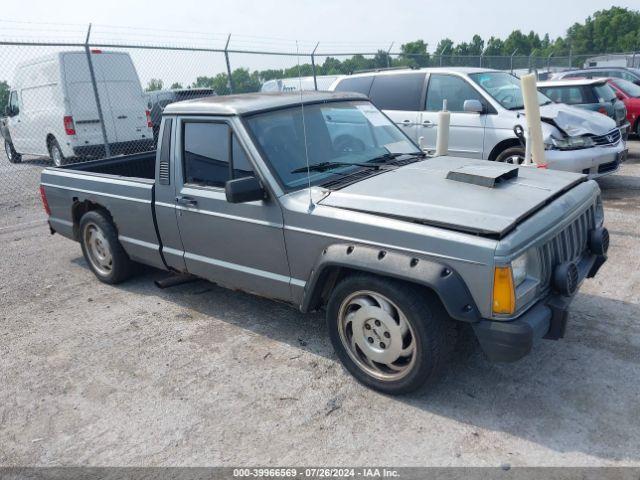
(324, 166)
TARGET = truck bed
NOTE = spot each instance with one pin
(139, 165)
(122, 185)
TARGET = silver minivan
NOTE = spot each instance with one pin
(485, 107)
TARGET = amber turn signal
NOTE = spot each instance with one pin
(504, 296)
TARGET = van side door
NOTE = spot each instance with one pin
(400, 96)
(237, 245)
(467, 129)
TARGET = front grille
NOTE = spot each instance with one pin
(568, 245)
(610, 138)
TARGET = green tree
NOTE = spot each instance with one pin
(415, 53)
(176, 86)
(154, 84)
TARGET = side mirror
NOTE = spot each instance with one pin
(620, 95)
(241, 190)
(473, 106)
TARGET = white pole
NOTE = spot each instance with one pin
(442, 139)
(535, 143)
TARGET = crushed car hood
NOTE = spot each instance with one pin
(420, 192)
(576, 121)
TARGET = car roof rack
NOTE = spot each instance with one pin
(383, 69)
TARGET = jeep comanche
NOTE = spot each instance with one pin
(319, 200)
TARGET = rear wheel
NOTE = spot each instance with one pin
(512, 155)
(102, 250)
(55, 153)
(391, 336)
(12, 155)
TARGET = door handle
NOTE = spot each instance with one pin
(121, 117)
(407, 123)
(187, 201)
(428, 124)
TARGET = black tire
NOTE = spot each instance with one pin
(638, 128)
(509, 153)
(434, 331)
(121, 267)
(55, 153)
(12, 155)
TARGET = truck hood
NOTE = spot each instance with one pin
(421, 192)
(576, 121)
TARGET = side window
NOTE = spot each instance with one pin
(452, 88)
(355, 84)
(398, 92)
(241, 165)
(206, 153)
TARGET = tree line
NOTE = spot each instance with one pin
(612, 30)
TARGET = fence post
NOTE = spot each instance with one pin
(442, 55)
(511, 60)
(549, 62)
(570, 57)
(389, 55)
(92, 73)
(226, 58)
(313, 67)
(531, 58)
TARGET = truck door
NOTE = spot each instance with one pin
(236, 245)
(466, 134)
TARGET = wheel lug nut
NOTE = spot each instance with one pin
(382, 345)
(370, 339)
(386, 335)
(367, 326)
(377, 323)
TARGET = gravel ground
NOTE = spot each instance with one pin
(196, 375)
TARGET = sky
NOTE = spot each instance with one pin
(339, 26)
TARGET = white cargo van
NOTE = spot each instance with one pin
(53, 112)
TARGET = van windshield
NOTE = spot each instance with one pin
(504, 88)
(347, 135)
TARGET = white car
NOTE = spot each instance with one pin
(53, 112)
(485, 107)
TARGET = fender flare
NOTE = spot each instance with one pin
(445, 282)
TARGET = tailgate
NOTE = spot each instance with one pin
(128, 201)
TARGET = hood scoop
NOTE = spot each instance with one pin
(483, 175)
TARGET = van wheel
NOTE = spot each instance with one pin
(102, 250)
(55, 153)
(513, 155)
(391, 336)
(12, 155)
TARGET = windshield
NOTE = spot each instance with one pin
(629, 88)
(504, 88)
(342, 132)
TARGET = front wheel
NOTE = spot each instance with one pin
(12, 155)
(391, 336)
(512, 155)
(102, 250)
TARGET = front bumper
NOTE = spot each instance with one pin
(508, 341)
(595, 161)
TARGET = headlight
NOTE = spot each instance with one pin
(526, 265)
(506, 280)
(569, 143)
(599, 212)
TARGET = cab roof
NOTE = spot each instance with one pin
(248, 103)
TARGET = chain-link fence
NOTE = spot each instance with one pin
(70, 101)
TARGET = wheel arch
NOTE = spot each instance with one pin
(502, 146)
(80, 207)
(339, 260)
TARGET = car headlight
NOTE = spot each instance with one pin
(569, 143)
(507, 279)
(599, 212)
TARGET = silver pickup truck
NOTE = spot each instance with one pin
(319, 200)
